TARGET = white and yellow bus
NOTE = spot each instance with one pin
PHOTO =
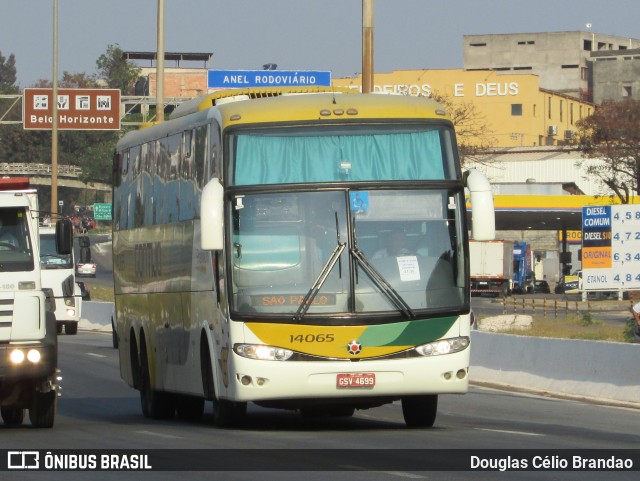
(295, 248)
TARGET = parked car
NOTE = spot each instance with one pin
(567, 285)
(541, 287)
(87, 269)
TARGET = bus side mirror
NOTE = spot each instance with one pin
(64, 236)
(212, 216)
(483, 217)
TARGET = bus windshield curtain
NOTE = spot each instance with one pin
(264, 159)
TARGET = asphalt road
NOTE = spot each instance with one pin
(99, 411)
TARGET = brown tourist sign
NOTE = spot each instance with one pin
(78, 109)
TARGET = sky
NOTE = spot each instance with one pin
(294, 34)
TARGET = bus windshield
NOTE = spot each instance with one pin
(330, 154)
(16, 253)
(399, 244)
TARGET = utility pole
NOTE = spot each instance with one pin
(367, 46)
(54, 118)
(160, 65)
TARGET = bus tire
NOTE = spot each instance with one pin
(42, 412)
(420, 411)
(228, 414)
(155, 404)
(12, 416)
(189, 408)
(205, 370)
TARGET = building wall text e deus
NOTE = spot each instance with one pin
(78, 109)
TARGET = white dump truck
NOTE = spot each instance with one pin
(59, 274)
(29, 378)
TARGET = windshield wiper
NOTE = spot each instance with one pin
(378, 279)
(322, 277)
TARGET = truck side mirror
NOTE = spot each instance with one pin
(84, 241)
(64, 236)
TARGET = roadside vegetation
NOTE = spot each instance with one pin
(100, 293)
(582, 326)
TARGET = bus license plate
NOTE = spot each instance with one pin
(360, 379)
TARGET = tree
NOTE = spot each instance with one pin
(612, 135)
(117, 71)
(475, 138)
(8, 74)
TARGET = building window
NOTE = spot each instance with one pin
(561, 109)
(584, 73)
(478, 44)
(549, 108)
(516, 110)
(587, 45)
(570, 66)
(571, 113)
(626, 91)
(522, 68)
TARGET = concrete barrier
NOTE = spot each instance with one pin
(96, 316)
(606, 371)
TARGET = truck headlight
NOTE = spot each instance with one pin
(69, 301)
(33, 355)
(17, 356)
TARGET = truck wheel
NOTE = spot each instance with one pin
(71, 328)
(420, 411)
(43, 409)
(12, 416)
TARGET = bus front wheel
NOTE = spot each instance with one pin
(420, 411)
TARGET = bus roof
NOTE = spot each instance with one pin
(289, 105)
(330, 107)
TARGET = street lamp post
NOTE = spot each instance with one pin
(367, 46)
(160, 64)
(54, 117)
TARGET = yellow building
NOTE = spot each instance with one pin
(518, 113)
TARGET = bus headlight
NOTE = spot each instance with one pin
(261, 352)
(444, 346)
(69, 301)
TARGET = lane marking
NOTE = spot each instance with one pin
(159, 435)
(401, 474)
(503, 431)
(92, 354)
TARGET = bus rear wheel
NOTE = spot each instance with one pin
(420, 411)
(155, 404)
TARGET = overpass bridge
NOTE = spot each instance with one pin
(40, 174)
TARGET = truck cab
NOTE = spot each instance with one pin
(28, 334)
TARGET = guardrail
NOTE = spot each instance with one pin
(23, 168)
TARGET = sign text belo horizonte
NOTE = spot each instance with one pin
(78, 109)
